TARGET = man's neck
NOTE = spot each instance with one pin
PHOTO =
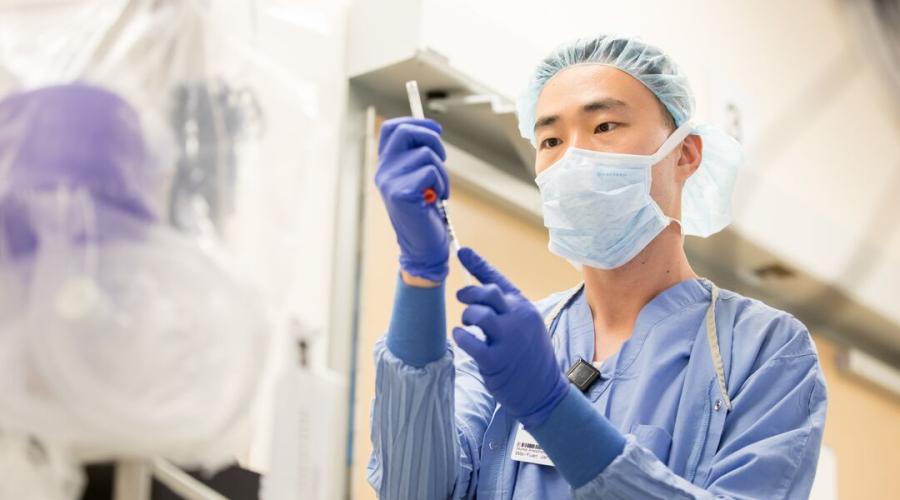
(616, 296)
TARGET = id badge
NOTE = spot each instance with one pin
(526, 449)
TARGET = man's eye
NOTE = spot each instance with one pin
(605, 127)
(550, 142)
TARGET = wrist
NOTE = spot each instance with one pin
(417, 281)
(433, 269)
(548, 403)
(417, 333)
(580, 441)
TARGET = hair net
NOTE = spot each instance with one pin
(119, 336)
(706, 200)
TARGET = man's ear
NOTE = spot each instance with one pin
(691, 155)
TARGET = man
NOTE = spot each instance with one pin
(697, 392)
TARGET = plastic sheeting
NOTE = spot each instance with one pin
(126, 323)
(34, 470)
(120, 335)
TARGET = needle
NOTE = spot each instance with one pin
(431, 197)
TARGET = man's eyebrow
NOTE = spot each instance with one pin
(591, 107)
(545, 121)
(603, 105)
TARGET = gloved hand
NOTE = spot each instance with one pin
(517, 360)
(411, 160)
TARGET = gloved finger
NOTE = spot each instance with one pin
(469, 343)
(488, 295)
(484, 272)
(406, 137)
(389, 126)
(416, 182)
(406, 162)
(483, 317)
(426, 156)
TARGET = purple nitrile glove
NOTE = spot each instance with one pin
(411, 160)
(516, 360)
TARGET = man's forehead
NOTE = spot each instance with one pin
(595, 86)
(582, 84)
(589, 76)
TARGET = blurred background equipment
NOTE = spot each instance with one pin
(208, 120)
(107, 311)
(246, 132)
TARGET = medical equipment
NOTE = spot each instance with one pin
(410, 161)
(306, 450)
(415, 106)
(209, 118)
(105, 310)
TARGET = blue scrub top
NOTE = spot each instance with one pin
(437, 432)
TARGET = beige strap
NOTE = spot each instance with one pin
(713, 338)
(711, 332)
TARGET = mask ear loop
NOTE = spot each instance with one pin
(674, 140)
(667, 147)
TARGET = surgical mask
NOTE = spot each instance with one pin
(597, 205)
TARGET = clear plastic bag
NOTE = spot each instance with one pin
(238, 104)
(125, 336)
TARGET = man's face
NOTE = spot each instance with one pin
(602, 108)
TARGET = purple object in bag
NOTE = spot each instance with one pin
(71, 136)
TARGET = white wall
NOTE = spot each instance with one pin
(292, 58)
(292, 55)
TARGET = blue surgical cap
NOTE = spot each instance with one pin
(706, 199)
(646, 63)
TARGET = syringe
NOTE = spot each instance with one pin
(415, 105)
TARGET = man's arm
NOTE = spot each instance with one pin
(431, 408)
